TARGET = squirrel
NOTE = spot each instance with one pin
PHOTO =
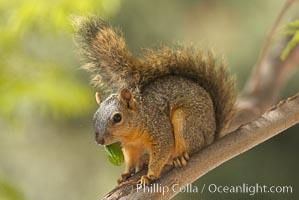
(167, 103)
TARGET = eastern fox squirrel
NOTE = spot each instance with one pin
(168, 103)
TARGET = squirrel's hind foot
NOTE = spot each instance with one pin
(146, 180)
(181, 161)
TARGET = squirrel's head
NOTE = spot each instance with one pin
(114, 118)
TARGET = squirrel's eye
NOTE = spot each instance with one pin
(117, 117)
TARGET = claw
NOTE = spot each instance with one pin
(181, 161)
(123, 177)
(144, 180)
(177, 162)
(186, 156)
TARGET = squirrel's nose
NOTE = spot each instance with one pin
(100, 141)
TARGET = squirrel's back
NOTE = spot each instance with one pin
(113, 66)
(186, 104)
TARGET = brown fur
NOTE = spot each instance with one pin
(180, 100)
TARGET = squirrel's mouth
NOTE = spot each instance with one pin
(105, 140)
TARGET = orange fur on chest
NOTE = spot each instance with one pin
(137, 139)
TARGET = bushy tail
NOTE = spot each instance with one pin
(104, 53)
(189, 62)
(112, 65)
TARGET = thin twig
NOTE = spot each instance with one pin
(252, 104)
(268, 40)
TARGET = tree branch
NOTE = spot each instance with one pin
(268, 78)
(260, 93)
(282, 116)
(269, 38)
(263, 87)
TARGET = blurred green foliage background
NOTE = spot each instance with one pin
(46, 103)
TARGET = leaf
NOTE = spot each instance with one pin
(291, 29)
(294, 24)
(114, 154)
(293, 42)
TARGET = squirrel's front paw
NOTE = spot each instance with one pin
(124, 177)
(145, 180)
(181, 161)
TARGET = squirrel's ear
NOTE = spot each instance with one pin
(98, 98)
(126, 97)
